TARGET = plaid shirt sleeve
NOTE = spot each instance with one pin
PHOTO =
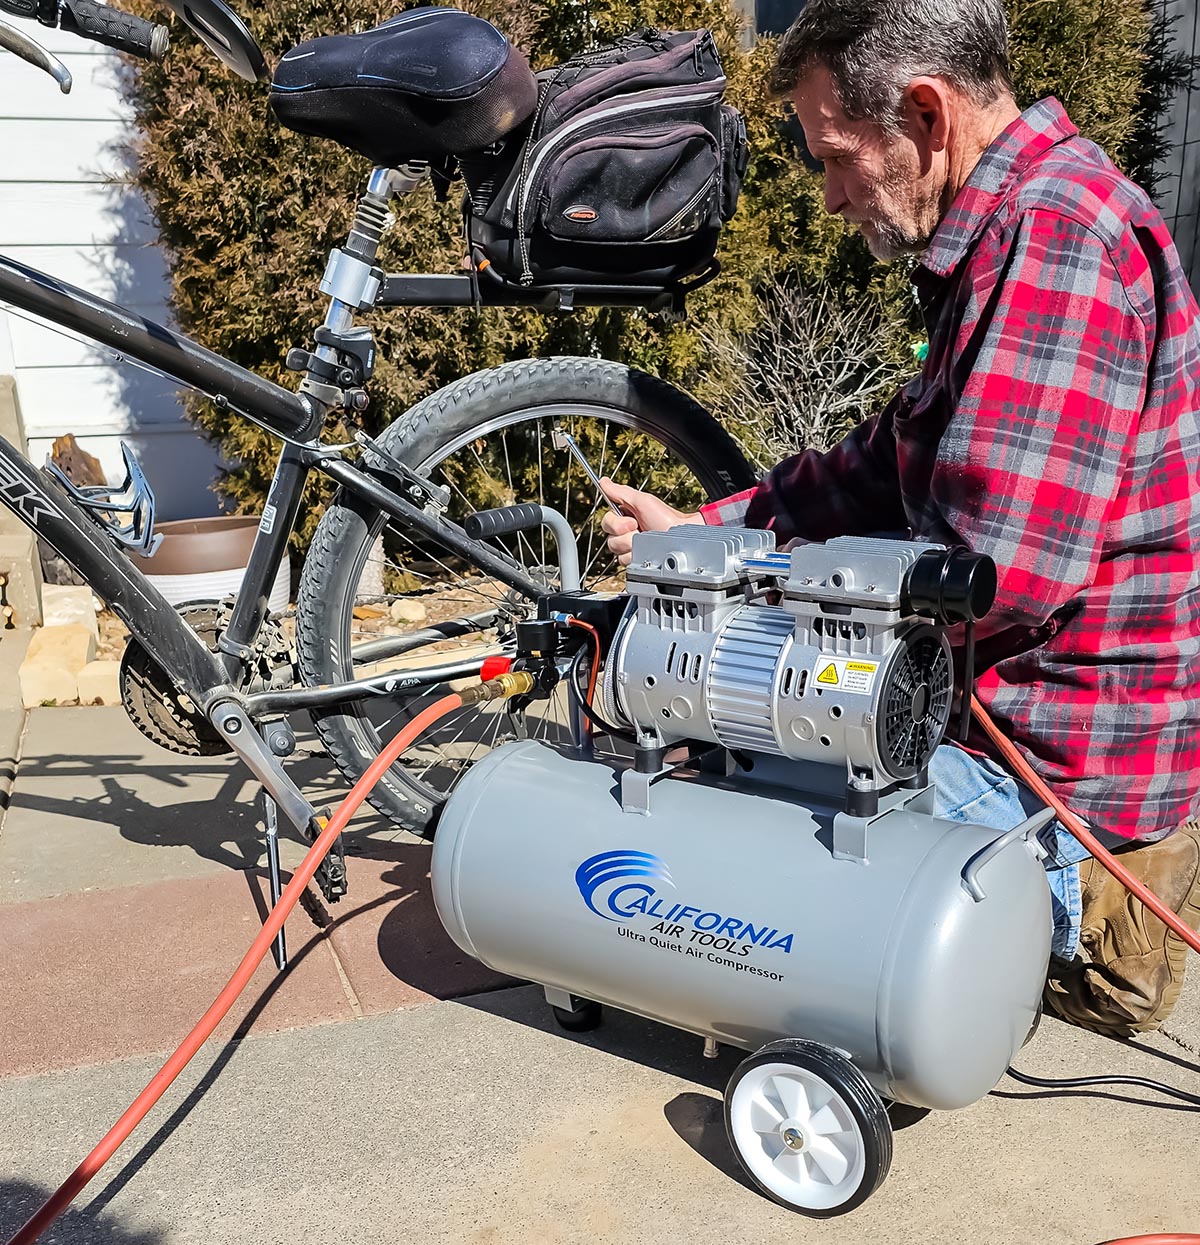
(1029, 465)
(850, 490)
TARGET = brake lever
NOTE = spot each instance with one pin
(30, 50)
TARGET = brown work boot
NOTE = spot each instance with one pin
(1133, 971)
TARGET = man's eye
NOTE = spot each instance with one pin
(793, 132)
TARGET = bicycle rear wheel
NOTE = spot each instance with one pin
(369, 586)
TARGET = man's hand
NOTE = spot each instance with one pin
(643, 513)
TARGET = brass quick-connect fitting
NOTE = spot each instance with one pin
(514, 683)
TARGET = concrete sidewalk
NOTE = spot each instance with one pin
(389, 1088)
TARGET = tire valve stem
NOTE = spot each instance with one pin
(513, 683)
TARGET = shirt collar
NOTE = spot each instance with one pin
(1040, 127)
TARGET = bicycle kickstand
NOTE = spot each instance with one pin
(279, 948)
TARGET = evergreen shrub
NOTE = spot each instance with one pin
(249, 211)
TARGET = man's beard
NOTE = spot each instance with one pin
(888, 239)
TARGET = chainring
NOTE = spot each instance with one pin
(165, 715)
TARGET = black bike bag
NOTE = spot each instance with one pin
(628, 170)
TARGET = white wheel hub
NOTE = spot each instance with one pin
(797, 1135)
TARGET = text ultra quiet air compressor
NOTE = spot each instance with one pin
(792, 893)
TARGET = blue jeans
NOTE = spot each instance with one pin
(974, 789)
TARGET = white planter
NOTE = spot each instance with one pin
(205, 560)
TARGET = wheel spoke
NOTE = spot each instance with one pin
(825, 1121)
(789, 1164)
(765, 1117)
(827, 1158)
(502, 462)
(790, 1093)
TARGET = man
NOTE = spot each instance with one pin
(1055, 426)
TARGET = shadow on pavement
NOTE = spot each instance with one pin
(19, 1199)
(700, 1121)
(225, 829)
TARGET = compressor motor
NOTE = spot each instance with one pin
(850, 669)
(766, 871)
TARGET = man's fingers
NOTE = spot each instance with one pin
(618, 524)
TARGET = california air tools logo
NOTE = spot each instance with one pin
(621, 885)
(606, 880)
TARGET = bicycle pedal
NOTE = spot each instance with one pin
(126, 513)
(330, 876)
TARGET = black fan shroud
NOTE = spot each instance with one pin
(915, 707)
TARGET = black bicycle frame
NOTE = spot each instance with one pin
(44, 506)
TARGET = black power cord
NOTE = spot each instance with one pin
(578, 697)
(1082, 1082)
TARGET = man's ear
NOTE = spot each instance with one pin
(927, 103)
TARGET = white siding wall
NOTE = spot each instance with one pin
(58, 214)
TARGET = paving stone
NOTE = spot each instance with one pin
(106, 974)
(479, 1123)
(46, 684)
(12, 724)
(19, 561)
(96, 805)
(388, 937)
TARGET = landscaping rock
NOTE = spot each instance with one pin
(50, 672)
(405, 611)
(63, 604)
(100, 683)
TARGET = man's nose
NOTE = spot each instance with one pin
(835, 193)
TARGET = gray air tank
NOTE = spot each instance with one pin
(726, 911)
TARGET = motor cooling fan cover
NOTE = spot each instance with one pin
(914, 707)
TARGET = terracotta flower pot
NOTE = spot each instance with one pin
(205, 560)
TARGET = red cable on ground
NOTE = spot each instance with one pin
(113, 1139)
(1105, 857)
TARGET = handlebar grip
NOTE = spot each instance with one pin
(504, 521)
(115, 29)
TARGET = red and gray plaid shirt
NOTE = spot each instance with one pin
(1055, 427)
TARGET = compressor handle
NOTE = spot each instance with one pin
(504, 521)
(970, 873)
(508, 520)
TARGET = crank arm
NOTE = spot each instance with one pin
(238, 731)
(19, 43)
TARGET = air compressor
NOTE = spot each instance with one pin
(765, 869)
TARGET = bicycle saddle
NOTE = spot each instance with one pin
(431, 82)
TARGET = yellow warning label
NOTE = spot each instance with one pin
(867, 667)
(829, 675)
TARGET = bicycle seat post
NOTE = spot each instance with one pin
(345, 356)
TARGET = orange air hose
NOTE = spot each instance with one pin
(1089, 840)
(141, 1105)
(1161, 1238)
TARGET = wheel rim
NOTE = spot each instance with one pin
(797, 1136)
(500, 475)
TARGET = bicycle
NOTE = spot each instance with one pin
(416, 507)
